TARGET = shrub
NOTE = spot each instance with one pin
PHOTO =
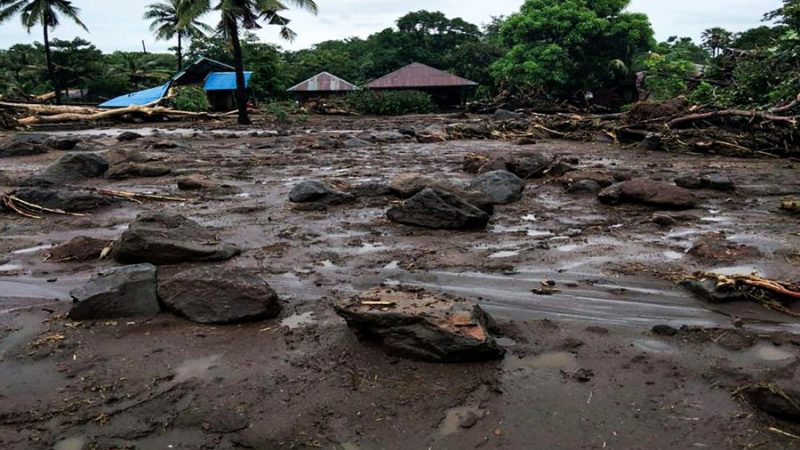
(704, 94)
(391, 103)
(189, 98)
(666, 77)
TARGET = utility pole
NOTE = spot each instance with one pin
(144, 47)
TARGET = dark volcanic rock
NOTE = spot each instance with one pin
(196, 183)
(713, 181)
(716, 246)
(503, 187)
(118, 293)
(32, 138)
(524, 165)
(128, 136)
(422, 326)
(219, 295)
(712, 291)
(407, 185)
(584, 187)
(63, 143)
(776, 400)
(136, 170)
(649, 192)
(80, 248)
(168, 239)
(318, 192)
(14, 149)
(71, 168)
(64, 199)
(438, 209)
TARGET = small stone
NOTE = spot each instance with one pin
(664, 330)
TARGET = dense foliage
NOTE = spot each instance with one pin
(557, 49)
(564, 46)
(390, 103)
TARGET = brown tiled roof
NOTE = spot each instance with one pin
(418, 75)
(324, 82)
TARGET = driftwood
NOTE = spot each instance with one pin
(790, 120)
(48, 109)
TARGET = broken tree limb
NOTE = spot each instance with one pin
(789, 120)
(49, 109)
(787, 107)
(111, 114)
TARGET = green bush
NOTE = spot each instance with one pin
(666, 77)
(391, 103)
(703, 94)
(189, 98)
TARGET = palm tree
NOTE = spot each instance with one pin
(171, 19)
(247, 14)
(136, 69)
(717, 39)
(44, 13)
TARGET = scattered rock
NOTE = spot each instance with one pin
(118, 293)
(504, 114)
(584, 187)
(713, 181)
(438, 209)
(776, 399)
(356, 143)
(63, 143)
(383, 137)
(81, 249)
(668, 220)
(503, 187)
(649, 192)
(415, 324)
(601, 177)
(318, 192)
(524, 165)
(128, 136)
(432, 134)
(219, 295)
(32, 138)
(136, 170)
(71, 168)
(716, 246)
(69, 200)
(664, 330)
(583, 375)
(407, 185)
(711, 291)
(15, 149)
(169, 239)
(468, 130)
(195, 183)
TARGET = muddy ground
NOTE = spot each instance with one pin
(304, 381)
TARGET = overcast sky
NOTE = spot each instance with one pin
(117, 24)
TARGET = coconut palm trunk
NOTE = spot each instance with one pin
(232, 29)
(48, 54)
(180, 52)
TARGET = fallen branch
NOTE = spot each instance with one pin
(790, 120)
(137, 197)
(49, 109)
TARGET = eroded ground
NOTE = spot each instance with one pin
(305, 381)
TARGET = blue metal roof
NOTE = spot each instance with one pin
(140, 98)
(225, 81)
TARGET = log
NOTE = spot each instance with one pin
(49, 109)
(110, 114)
(789, 120)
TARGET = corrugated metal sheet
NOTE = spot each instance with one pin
(225, 81)
(418, 75)
(140, 98)
(199, 70)
(324, 82)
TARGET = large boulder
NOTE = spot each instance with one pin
(219, 295)
(72, 167)
(406, 185)
(713, 181)
(503, 187)
(118, 293)
(14, 148)
(63, 143)
(136, 170)
(419, 325)
(127, 136)
(318, 192)
(649, 192)
(439, 209)
(169, 239)
(524, 165)
(69, 200)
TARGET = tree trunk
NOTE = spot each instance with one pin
(180, 53)
(241, 89)
(51, 70)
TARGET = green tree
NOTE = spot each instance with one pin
(137, 68)
(716, 40)
(682, 48)
(564, 46)
(171, 19)
(246, 14)
(45, 13)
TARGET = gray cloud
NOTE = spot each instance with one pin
(117, 24)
